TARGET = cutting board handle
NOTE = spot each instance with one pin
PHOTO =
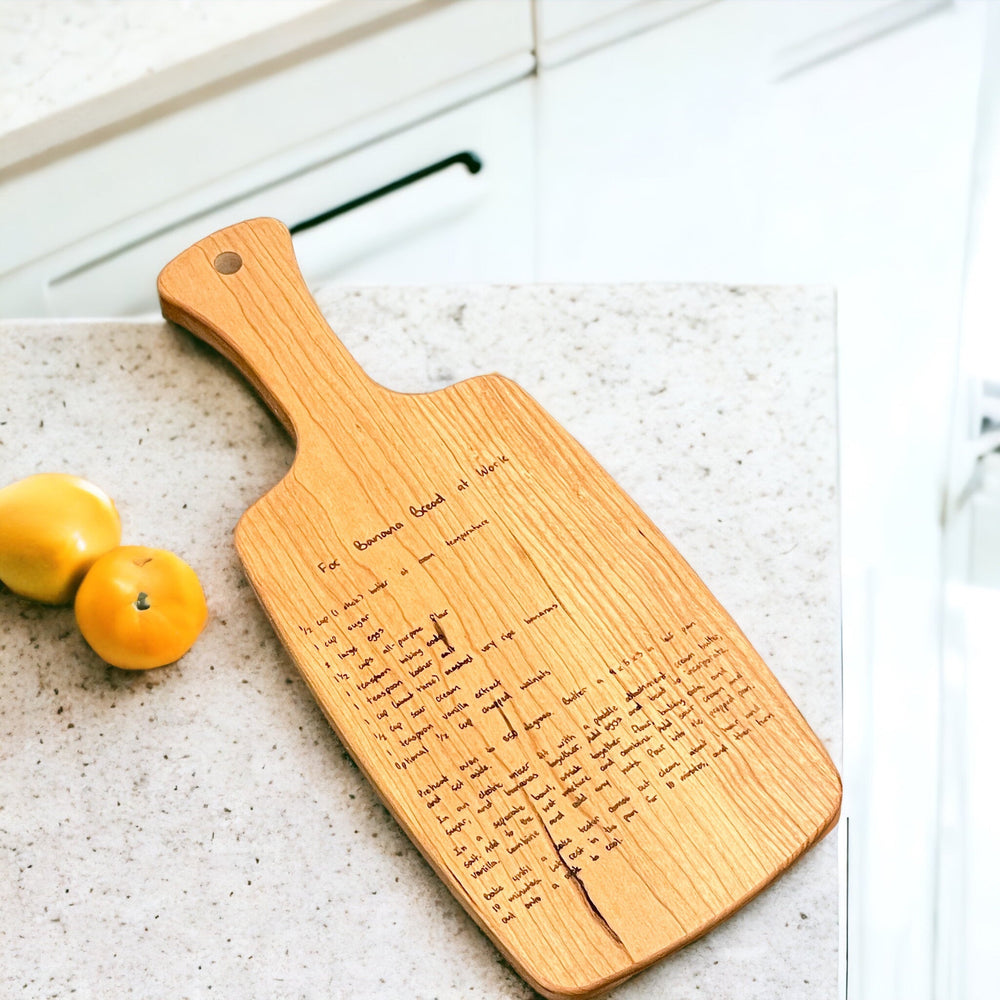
(241, 291)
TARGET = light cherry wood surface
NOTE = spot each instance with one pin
(575, 734)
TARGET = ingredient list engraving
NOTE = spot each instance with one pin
(531, 761)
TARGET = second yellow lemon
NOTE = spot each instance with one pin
(140, 607)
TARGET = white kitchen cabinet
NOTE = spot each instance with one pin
(566, 29)
(467, 223)
(83, 209)
(806, 31)
(292, 124)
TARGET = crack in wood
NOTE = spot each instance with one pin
(574, 874)
(440, 634)
(572, 870)
(510, 727)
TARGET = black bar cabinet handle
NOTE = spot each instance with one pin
(468, 159)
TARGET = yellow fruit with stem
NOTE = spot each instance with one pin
(140, 607)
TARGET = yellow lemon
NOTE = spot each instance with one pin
(53, 526)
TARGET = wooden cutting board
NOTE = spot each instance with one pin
(575, 734)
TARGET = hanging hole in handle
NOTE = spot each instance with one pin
(228, 262)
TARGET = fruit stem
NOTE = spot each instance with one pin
(142, 601)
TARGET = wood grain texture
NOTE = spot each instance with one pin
(575, 734)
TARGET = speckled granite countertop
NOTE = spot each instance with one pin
(199, 831)
(57, 54)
